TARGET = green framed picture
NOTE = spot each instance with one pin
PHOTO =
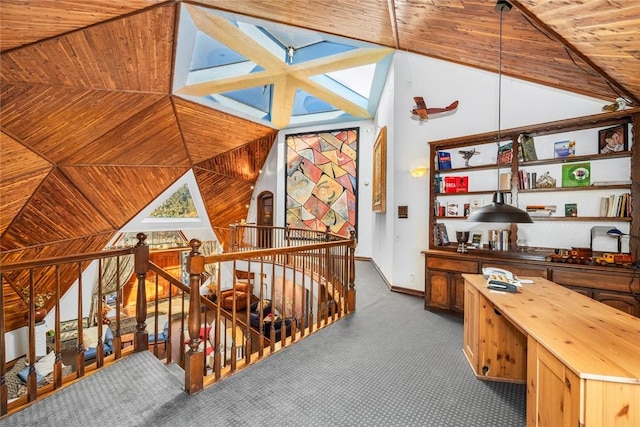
(576, 175)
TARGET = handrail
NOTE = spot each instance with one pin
(308, 276)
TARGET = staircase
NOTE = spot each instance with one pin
(132, 391)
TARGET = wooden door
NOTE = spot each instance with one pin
(265, 218)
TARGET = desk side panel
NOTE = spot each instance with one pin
(502, 348)
(612, 404)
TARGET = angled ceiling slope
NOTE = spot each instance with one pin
(275, 74)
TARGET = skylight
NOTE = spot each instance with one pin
(270, 72)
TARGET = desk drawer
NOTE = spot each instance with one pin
(453, 265)
(591, 279)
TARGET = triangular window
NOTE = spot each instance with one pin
(178, 205)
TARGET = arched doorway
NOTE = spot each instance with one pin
(265, 218)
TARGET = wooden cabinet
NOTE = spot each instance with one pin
(617, 287)
(471, 328)
(501, 353)
(559, 405)
(444, 285)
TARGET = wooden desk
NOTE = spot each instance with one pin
(580, 358)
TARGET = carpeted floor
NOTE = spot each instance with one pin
(389, 364)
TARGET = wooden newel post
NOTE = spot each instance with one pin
(141, 342)
(194, 359)
(351, 292)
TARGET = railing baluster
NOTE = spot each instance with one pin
(194, 359)
(141, 342)
(80, 328)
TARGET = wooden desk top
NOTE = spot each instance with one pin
(592, 339)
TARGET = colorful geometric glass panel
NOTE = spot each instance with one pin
(321, 181)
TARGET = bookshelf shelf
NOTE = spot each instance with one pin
(582, 218)
(586, 188)
(591, 157)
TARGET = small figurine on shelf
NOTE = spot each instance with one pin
(467, 155)
(546, 181)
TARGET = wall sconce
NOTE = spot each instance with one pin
(419, 171)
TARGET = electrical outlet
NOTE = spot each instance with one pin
(411, 277)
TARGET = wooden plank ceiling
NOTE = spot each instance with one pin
(91, 133)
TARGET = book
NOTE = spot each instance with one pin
(452, 209)
(456, 184)
(476, 239)
(444, 160)
(526, 148)
(562, 149)
(440, 236)
(570, 209)
(604, 206)
(505, 153)
(505, 181)
(475, 204)
(576, 174)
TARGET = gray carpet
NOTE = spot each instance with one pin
(389, 364)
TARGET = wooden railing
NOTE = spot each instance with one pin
(308, 276)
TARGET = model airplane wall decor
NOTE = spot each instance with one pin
(467, 155)
(422, 112)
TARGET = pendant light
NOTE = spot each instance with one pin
(498, 211)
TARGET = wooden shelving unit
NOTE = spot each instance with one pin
(444, 285)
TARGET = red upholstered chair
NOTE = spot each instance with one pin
(241, 294)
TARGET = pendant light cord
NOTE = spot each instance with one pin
(500, 86)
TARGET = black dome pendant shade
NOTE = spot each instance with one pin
(498, 211)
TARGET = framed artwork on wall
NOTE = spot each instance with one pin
(613, 139)
(379, 195)
(321, 181)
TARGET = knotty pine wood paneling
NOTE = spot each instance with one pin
(225, 198)
(56, 211)
(244, 162)
(469, 33)
(367, 20)
(15, 194)
(18, 161)
(132, 53)
(120, 193)
(607, 32)
(48, 18)
(22, 171)
(208, 133)
(151, 137)
(59, 122)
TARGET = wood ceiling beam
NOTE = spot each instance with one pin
(340, 61)
(228, 34)
(230, 84)
(332, 98)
